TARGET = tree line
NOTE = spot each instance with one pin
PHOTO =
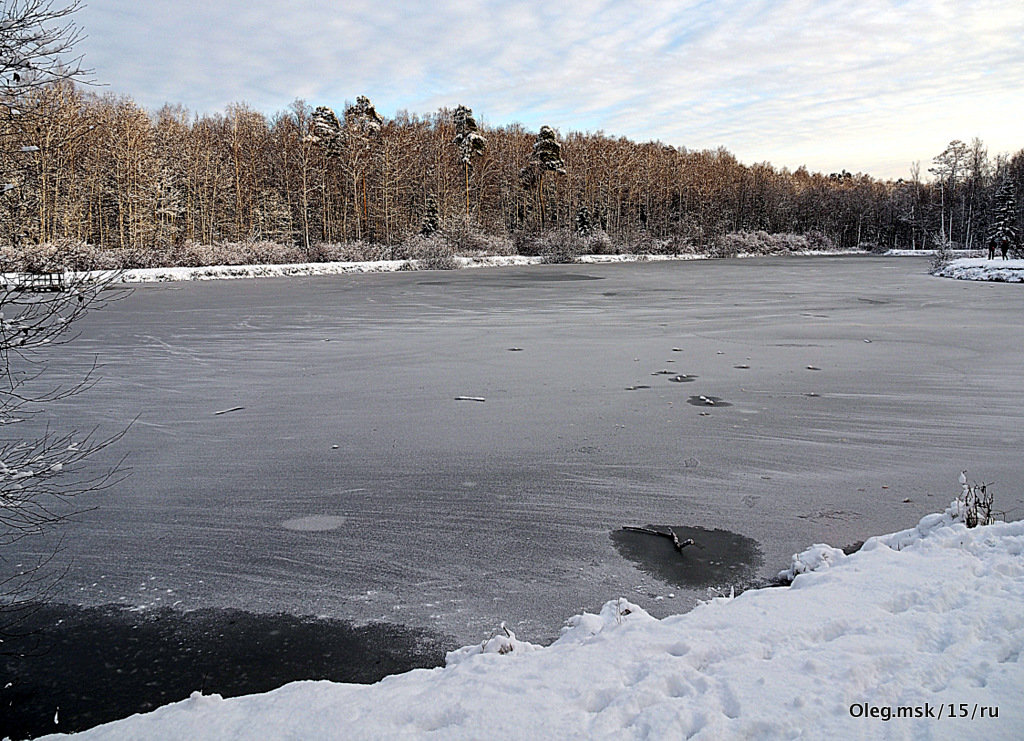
(99, 169)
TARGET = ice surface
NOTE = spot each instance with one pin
(459, 515)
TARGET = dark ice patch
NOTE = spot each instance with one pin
(716, 558)
(98, 664)
(542, 276)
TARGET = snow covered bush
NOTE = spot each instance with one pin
(818, 557)
(597, 242)
(354, 251)
(817, 240)
(974, 505)
(50, 257)
(561, 246)
(733, 244)
(429, 253)
(468, 239)
(526, 243)
(644, 243)
(943, 254)
(678, 244)
(502, 642)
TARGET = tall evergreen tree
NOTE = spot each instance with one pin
(325, 129)
(363, 128)
(1004, 219)
(546, 157)
(469, 141)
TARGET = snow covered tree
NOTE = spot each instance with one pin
(950, 167)
(325, 129)
(361, 132)
(469, 141)
(431, 222)
(546, 157)
(583, 224)
(1004, 219)
(36, 39)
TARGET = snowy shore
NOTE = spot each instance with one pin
(978, 268)
(227, 272)
(917, 635)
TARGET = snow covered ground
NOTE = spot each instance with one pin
(1005, 271)
(917, 635)
(926, 253)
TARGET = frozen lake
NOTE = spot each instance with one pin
(351, 483)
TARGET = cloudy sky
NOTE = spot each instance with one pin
(866, 85)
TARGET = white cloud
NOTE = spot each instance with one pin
(829, 83)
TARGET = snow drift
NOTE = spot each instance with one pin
(1004, 271)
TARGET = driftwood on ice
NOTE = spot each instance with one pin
(679, 544)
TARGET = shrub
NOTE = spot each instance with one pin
(467, 238)
(817, 240)
(597, 242)
(643, 243)
(724, 245)
(357, 251)
(943, 254)
(51, 257)
(528, 244)
(763, 243)
(679, 245)
(560, 246)
(429, 253)
(974, 505)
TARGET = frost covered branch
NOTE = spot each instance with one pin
(42, 473)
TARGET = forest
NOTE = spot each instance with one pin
(114, 185)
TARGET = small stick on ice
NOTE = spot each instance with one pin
(225, 411)
(470, 398)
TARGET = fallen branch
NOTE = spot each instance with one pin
(226, 411)
(679, 544)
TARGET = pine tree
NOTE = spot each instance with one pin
(583, 225)
(325, 130)
(431, 222)
(546, 157)
(363, 129)
(469, 141)
(1004, 218)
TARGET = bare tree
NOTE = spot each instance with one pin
(41, 471)
(37, 41)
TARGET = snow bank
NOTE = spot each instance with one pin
(928, 253)
(227, 272)
(1005, 271)
(917, 635)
